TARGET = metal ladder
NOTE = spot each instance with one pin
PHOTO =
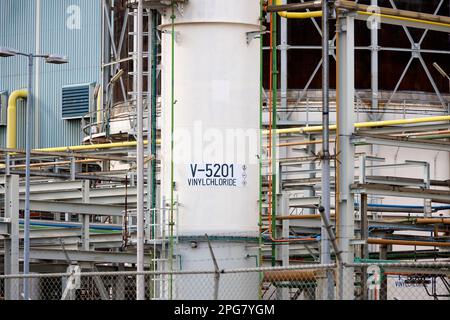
(132, 13)
(161, 247)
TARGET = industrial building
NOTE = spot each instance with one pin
(224, 149)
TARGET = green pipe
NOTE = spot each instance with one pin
(172, 127)
(391, 256)
(360, 260)
(261, 92)
(433, 137)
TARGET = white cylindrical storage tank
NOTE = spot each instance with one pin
(216, 137)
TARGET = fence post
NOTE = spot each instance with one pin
(216, 269)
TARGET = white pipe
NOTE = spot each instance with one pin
(140, 285)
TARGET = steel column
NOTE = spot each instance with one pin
(11, 263)
(85, 232)
(374, 64)
(345, 121)
(26, 261)
(325, 181)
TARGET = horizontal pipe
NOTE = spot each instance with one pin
(435, 137)
(51, 164)
(48, 154)
(88, 176)
(363, 125)
(49, 224)
(299, 15)
(433, 221)
(407, 242)
(292, 275)
(365, 10)
(127, 144)
(403, 15)
(422, 134)
(278, 7)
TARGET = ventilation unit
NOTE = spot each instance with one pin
(77, 100)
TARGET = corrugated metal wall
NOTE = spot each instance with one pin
(17, 21)
(82, 45)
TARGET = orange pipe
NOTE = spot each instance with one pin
(270, 141)
(292, 275)
(433, 220)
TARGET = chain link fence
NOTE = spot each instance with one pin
(402, 281)
(370, 281)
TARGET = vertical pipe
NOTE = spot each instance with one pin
(284, 62)
(105, 71)
(325, 180)
(140, 285)
(374, 64)
(172, 129)
(154, 92)
(38, 75)
(26, 257)
(148, 208)
(365, 246)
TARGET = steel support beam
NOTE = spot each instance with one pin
(345, 122)
(84, 256)
(439, 196)
(403, 142)
(73, 208)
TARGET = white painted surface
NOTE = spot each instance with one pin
(217, 104)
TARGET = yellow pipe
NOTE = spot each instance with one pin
(93, 146)
(279, 131)
(318, 14)
(298, 15)
(364, 125)
(11, 132)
